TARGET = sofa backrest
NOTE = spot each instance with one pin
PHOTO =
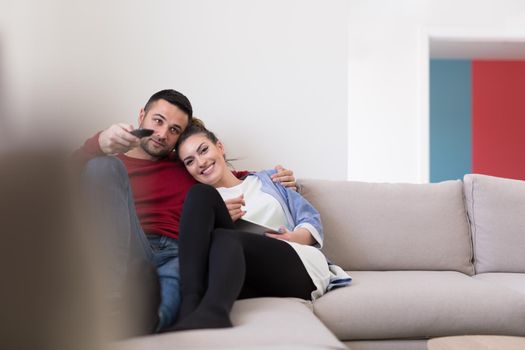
(496, 209)
(381, 226)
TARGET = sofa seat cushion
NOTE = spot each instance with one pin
(496, 208)
(514, 281)
(477, 342)
(412, 344)
(388, 226)
(259, 323)
(415, 304)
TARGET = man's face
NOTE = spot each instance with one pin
(167, 122)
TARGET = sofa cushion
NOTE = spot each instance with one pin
(514, 281)
(412, 344)
(496, 209)
(477, 342)
(259, 323)
(373, 226)
(415, 304)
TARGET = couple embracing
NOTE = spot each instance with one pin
(166, 207)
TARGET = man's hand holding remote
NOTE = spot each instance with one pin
(118, 139)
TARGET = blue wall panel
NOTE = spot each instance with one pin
(450, 119)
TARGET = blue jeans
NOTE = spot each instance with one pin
(166, 259)
(125, 242)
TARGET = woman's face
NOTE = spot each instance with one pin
(203, 159)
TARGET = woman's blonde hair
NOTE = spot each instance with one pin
(197, 127)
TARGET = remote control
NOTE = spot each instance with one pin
(140, 133)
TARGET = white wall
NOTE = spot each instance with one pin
(388, 76)
(269, 76)
(333, 89)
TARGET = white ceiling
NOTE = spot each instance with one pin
(477, 49)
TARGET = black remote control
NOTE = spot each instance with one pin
(140, 133)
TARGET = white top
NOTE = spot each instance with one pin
(260, 207)
(265, 210)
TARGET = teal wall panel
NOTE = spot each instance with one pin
(450, 119)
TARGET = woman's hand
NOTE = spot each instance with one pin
(285, 177)
(301, 235)
(234, 207)
(285, 235)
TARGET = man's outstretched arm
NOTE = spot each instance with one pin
(118, 139)
(113, 140)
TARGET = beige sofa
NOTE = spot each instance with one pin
(427, 261)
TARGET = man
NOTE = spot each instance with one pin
(142, 189)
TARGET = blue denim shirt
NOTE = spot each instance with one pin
(300, 213)
(297, 210)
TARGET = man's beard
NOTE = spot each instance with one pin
(156, 153)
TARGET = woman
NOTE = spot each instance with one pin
(218, 263)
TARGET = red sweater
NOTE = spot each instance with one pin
(159, 188)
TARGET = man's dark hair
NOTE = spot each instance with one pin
(173, 97)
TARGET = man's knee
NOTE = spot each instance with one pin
(106, 168)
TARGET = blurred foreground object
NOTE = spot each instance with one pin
(49, 285)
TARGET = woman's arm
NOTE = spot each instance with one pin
(302, 216)
(300, 235)
(305, 217)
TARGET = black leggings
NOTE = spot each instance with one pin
(219, 264)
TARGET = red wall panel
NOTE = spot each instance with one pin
(498, 118)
